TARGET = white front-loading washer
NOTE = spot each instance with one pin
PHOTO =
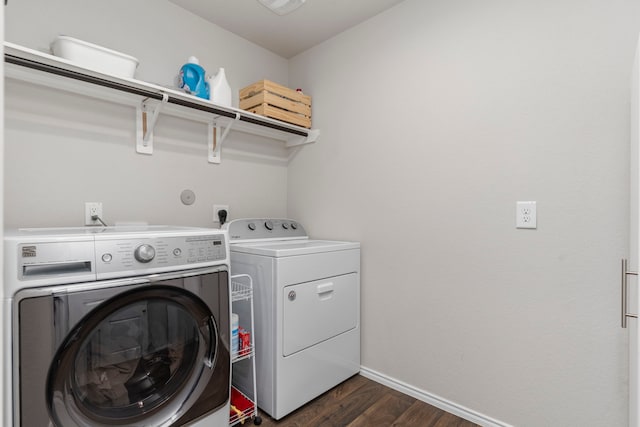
(117, 326)
(307, 309)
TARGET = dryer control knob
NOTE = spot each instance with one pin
(294, 226)
(285, 225)
(144, 253)
(251, 226)
(268, 225)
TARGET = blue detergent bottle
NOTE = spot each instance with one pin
(192, 78)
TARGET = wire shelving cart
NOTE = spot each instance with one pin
(243, 383)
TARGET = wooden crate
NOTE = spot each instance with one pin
(270, 99)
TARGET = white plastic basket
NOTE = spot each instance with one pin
(94, 57)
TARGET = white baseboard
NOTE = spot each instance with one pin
(432, 399)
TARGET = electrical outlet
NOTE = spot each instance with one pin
(526, 215)
(91, 209)
(216, 209)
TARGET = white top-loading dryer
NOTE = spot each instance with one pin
(307, 309)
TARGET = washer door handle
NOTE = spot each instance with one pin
(292, 295)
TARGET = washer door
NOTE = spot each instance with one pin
(141, 358)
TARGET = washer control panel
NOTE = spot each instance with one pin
(159, 252)
(264, 228)
(51, 256)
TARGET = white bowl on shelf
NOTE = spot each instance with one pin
(94, 57)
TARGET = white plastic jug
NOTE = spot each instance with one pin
(234, 332)
(219, 89)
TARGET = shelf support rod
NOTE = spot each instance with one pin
(154, 116)
(215, 145)
(146, 125)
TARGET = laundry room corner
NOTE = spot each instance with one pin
(429, 139)
(467, 163)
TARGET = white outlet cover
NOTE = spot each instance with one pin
(90, 207)
(526, 215)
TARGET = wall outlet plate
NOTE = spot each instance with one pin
(526, 215)
(217, 208)
(91, 209)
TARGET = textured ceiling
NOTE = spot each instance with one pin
(313, 23)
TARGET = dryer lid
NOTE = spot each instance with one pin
(286, 248)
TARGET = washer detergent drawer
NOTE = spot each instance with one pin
(319, 310)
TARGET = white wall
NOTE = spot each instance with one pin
(2, 310)
(436, 118)
(447, 111)
(63, 150)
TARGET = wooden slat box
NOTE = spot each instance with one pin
(270, 99)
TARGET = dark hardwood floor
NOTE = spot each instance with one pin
(360, 402)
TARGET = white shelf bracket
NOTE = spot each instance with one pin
(146, 124)
(301, 140)
(215, 144)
